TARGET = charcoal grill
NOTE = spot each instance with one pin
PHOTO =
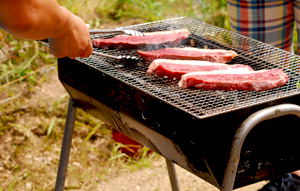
(209, 133)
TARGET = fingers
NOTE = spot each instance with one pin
(89, 48)
(68, 46)
(71, 52)
(84, 52)
(87, 51)
(75, 42)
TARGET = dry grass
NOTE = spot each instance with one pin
(33, 106)
(30, 152)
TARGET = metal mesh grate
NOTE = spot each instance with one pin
(203, 103)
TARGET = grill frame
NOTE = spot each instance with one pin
(143, 115)
(205, 103)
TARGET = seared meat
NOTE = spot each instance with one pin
(171, 38)
(176, 68)
(235, 80)
(189, 53)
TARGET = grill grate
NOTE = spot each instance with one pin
(203, 103)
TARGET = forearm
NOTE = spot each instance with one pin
(39, 19)
(33, 19)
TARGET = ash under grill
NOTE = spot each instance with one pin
(203, 103)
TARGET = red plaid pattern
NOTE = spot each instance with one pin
(269, 21)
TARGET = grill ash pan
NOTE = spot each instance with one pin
(193, 128)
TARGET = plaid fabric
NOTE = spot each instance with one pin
(269, 21)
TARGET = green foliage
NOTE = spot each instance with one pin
(116, 154)
(21, 58)
(37, 128)
(92, 132)
(143, 160)
(50, 128)
(59, 101)
(213, 12)
(11, 186)
(148, 9)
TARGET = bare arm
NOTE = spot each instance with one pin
(39, 19)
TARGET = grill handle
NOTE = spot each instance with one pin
(95, 31)
(242, 133)
(128, 32)
(120, 58)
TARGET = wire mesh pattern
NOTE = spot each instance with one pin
(197, 102)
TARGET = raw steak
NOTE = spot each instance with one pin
(189, 53)
(176, 68)
(235, 80)
(171, 38)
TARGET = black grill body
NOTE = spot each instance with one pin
(192, 128)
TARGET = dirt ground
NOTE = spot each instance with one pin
(155, 178)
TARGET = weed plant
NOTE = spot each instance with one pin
(31, 126)
(21, 58)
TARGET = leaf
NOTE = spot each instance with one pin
(50, 127)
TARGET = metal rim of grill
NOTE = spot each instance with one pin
(197, 102)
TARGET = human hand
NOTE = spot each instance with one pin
(74, 41)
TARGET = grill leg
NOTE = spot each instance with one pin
(244, 130)
(66, 146)
(172, 175)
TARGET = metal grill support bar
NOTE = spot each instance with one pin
(243, 131)
(172, 175)
(66, 146)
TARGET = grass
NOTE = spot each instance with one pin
(21, 58)
(32, 119)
